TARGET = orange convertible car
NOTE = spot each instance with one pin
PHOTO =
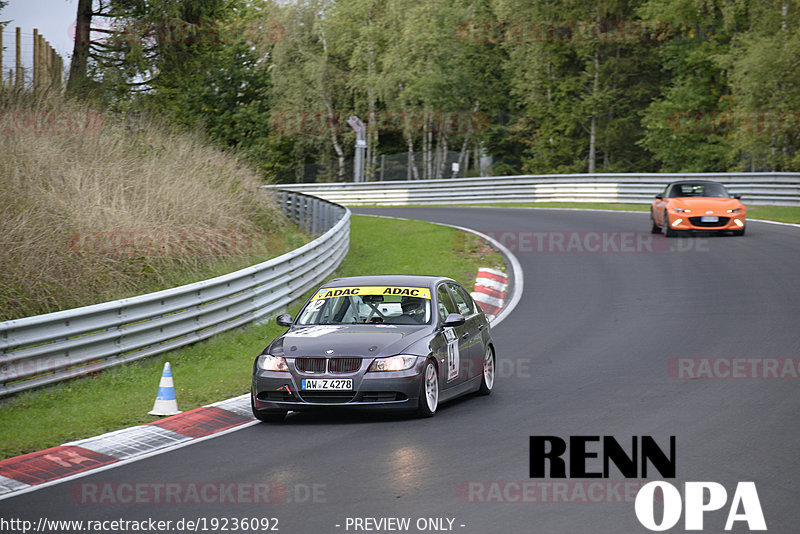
(697, 205)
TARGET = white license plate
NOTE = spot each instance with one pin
(327, 383)
(709, 218)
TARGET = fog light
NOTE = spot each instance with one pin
(738, 223)
(676, 222)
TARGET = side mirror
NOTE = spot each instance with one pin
(284, 319)
(660, 196)
(454, 319)
(737, 196)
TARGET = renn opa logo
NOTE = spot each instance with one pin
(547, 460)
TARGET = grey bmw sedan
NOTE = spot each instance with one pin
(395, 342)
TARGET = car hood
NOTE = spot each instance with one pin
(348, 340)
(699, 205)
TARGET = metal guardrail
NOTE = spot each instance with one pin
(43, 349)
(780, 189)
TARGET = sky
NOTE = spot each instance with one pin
(55, 19)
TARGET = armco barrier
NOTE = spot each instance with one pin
(43, 349)
(779, 188)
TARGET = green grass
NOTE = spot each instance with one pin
(788, 214)
(220, 367)
(388, 246)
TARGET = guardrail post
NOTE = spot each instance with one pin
(315, 227)
(285, 203)
(303, 214)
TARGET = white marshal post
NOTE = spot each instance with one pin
(361, 147)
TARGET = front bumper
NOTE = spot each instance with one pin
(688, 221)
(394, 390)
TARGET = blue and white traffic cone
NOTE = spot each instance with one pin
(165, 404)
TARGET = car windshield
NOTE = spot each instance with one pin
(700, 189)
(373, 305)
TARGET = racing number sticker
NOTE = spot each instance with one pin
(452, 353)
(315, 305)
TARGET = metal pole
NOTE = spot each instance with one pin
(19, 82)
(51, 65)
(364, 155)
(361, 147)
(358, 170)
(36, 64)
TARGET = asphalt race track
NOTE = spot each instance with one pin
(612, 324)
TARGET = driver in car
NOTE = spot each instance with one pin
(413, 307)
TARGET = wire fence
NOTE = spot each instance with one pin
(28, 61)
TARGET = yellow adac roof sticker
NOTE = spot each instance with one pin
(329, 292)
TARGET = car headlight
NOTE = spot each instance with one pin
(393, 363)
(682, 210)
(268, 362)
(735, 210)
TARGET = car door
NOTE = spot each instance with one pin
(472, 353)
(456, 341)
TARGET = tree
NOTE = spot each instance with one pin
(732, 101)
(78, 70)
(309, 91)
(682, 125)
(581, 77)
(764, 74)
(410, 63)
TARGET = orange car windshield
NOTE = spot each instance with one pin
(698, 190)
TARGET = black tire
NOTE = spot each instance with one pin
(667, 229)
(428, 390)
(654, 228)
(739, 232)
(268, 416)
(488, 376)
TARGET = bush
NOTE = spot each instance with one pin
(97, 206)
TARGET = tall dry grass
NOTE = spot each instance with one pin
(95, 207)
